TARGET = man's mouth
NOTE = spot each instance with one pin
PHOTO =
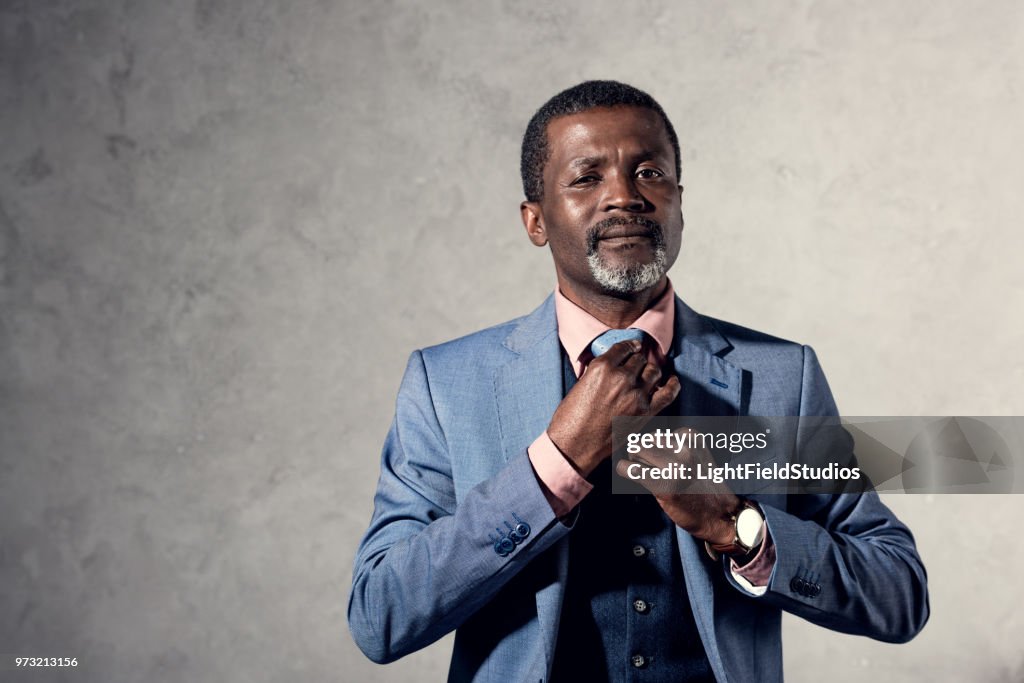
(620, 236)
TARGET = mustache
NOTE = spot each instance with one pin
(653, 228)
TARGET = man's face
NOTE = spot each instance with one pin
(611, 206)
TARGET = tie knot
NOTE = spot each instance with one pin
(613, 337)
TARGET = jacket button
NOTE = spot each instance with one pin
(639, 551)
(640, 606)
(638, 661)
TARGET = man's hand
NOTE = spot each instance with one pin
(701, 506)
(620, 382)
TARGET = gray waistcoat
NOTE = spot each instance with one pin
(626, 614)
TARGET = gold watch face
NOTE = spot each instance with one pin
(749, 527)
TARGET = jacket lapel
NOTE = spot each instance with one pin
(529, 387)
(711, 385)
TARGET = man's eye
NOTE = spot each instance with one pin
(649, 173)
(584, 179)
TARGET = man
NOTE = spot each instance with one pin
(493, 515)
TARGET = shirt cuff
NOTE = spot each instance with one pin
(563, 486)
(753, 576)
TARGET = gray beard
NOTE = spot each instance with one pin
(633, 278)
(628, 279)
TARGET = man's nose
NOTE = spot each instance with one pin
(623, 194)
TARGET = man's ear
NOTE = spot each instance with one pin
(682, 220)
(533, 221)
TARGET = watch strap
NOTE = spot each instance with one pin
(736, 548)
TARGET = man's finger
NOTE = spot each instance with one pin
(664, 395)
(649, 376)
(619, 353)
(653, 458)
(622, 468)
(654, 486)
(634, 365)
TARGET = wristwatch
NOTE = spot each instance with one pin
(748, 532)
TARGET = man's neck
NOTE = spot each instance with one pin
(616, 311)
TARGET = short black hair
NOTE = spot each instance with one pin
(579, 98)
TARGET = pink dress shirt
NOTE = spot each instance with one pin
(563, 486)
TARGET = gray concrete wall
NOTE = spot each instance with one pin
(224, 225)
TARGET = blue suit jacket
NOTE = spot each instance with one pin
(455, 467)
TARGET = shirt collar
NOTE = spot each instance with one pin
(577, 328)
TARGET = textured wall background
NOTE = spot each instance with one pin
(225, 224)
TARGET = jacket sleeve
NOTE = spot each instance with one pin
(844, 561)
(429, 561)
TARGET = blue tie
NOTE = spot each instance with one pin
(613, 337)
